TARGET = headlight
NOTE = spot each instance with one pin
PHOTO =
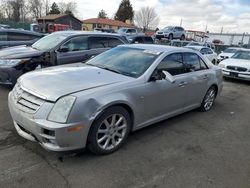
(11, 62)
(221, 65)
(61, 109)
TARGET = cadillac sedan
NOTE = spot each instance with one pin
(99, 103)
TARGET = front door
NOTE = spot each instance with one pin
(165, 98)
(77, 51)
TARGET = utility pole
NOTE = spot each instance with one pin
(181, 22)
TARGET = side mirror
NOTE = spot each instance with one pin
(162, 75)
(63, 49)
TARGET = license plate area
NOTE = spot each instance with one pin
(234, 74)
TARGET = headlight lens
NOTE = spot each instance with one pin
(11, 62)
(221, 65)
(61, 109)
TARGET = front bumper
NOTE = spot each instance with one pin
(160, 36)
(51, 136)
(236, 75)
(9, 75)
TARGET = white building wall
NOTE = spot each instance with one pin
(230, 38)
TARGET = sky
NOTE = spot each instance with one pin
(232, 15)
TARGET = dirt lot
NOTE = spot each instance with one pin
(192, 150)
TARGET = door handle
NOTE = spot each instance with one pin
(182, 84)
(205, 77)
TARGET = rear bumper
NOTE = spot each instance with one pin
(240, 75)
(51, 136)
(9, 75)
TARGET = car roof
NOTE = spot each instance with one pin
(73, 33)
(197, 47)
(21, 31)
(156, 48)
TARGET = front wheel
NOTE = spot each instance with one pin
(109, 131)
(170, 37)
(208, 100)
(183, 37)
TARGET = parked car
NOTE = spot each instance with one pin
(227, 53)
(207, 52)
(16, 37)
(171, 32)
(206, 44)
(124, 89)
(140, 39)
(238, 66)
(104, 30)
(128, 31)
(55, 49)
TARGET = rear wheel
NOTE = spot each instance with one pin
(109, 131)
(209, 99)
(183, 37)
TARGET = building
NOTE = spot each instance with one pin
(64, 19)
(230, 38)
(91, 24)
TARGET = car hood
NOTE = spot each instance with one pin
(226, 54)
(54, 83)
(19, 52)
(237, 62)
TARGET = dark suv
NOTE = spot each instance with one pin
(15, 37)
(58, 48)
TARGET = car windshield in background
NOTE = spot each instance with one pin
(194, 44)
(242, 55)
(122, 30)
(131, 62)
(49, 42)
(167, 28)
(230, 50)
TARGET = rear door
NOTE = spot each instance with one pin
(197, 78)
(78, 51)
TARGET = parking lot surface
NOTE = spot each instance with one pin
(192, 150)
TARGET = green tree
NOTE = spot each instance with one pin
(102, 14)
(125, 11)
(54, 9)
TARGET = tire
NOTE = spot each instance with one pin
(105, 137)
(182, 37)
(170, 37)
(208, 100)
(214, 61)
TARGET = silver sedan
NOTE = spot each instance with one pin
(97, 104)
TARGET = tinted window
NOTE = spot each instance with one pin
(3, 36)
(131, 31)
(20, 36)
(148, 40)
(204, 51)
(173, 64)
(113, 42)
(138, 40)
(98, 42)
(192, 62)
(77, 44)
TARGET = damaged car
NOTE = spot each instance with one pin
(58, 48)
(124, 89)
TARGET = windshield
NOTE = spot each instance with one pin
(122, 30)
(194, 44)
(230, 50)
(49, 42)
(167, 28)
(125, 60)
(242, 55)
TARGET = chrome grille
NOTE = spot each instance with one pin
(240, 69)
(25, 101)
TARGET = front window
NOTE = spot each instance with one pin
(128, 61)
(49, 42)
(242, 55)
